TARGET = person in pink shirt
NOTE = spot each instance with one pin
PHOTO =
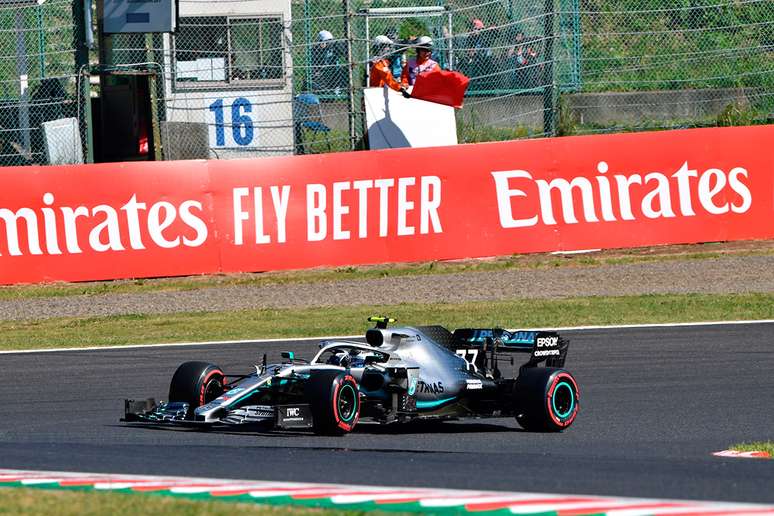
(423, 62)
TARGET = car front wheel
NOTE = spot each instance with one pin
(334, 398)
(196, 383)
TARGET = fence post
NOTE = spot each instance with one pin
(153, 80)
(41, 42)
(549, 89)
(577, 49)
(350, 75)
(307, 48)
(21, 71)
(83, 73)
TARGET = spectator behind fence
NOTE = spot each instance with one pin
(380, 74)
(523, 60)
(422, 63)
(328, 72)
(477, 63)
(398, 56)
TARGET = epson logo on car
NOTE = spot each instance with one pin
(293, 412)
(547, 342)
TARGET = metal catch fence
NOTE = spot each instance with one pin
(246, 78)
(41, 104)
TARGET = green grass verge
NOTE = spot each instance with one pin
(765, 446)
(349, 320)
(521, 261)
(65, 503)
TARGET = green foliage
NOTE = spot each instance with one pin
(567, 119)
(349, 320)
(635, 45)
(470, 129)
(412, 28)
(736, 114)
(334, 141)
(48, 42)
(472, 133)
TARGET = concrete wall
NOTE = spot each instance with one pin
(636, 107)
(587, 108)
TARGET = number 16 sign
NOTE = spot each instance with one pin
(230, 122)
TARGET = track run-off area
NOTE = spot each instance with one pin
(656, 402)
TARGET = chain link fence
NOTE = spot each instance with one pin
(649, 64)
(41, 104)
(502, 46)
(243, 78)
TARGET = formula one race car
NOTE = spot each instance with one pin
(398, 374)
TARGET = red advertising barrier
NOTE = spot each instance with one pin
(131, 220)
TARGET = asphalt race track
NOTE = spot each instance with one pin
(655, 402)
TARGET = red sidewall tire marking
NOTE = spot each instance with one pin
(203, 390)
(562, 423)
(344, 425)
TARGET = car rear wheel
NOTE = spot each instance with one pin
(196, 383)
(334, 398)
(547, 399)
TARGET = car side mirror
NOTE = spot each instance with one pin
(289, 355)
(375, 359)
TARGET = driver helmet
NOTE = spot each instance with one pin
(338, 359)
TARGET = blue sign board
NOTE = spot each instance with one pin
(123, 16)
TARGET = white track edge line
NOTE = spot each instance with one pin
(328, 337)
(179, 344)
(655, 325)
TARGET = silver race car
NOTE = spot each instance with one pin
(398, 374)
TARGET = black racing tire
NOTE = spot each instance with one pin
(547, 399)
(196, 383)
(334, 399)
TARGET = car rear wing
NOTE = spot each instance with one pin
(546, 346)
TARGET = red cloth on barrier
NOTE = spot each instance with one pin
(442, 87)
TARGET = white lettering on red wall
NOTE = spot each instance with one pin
(608, 198)
(132, 225)
(129, 220)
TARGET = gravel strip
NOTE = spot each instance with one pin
(725, 275)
